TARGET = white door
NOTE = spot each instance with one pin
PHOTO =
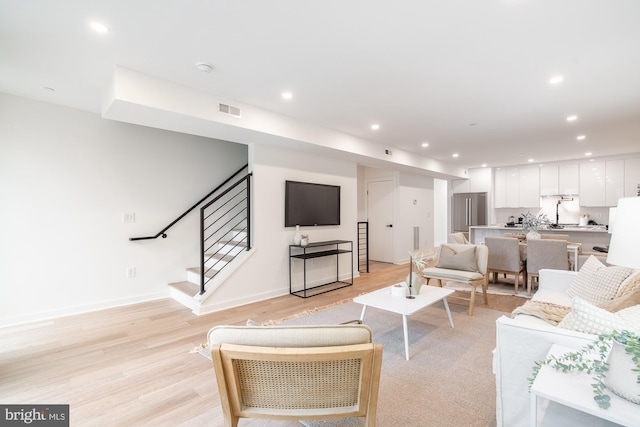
(380, 215)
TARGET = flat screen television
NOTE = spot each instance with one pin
(307, 204)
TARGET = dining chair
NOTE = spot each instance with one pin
(545, 253)
(296, 372)
(506, 257)
(555, 236)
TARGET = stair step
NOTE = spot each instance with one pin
(187, 288)
(196, 270)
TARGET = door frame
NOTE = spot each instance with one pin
(394, 195)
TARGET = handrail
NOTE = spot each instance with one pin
(163, 231)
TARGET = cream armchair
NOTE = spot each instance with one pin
(296, 372)
(464, 263)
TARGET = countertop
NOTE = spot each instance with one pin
(588, 228)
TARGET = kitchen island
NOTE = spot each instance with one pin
(589, 236)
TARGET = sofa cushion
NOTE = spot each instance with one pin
(463, 259)
(627, 300)
(588, 318)
(596, 282)
(630, 284)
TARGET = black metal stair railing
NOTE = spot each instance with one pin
(363, 247)
(163, 232)
(225, 229)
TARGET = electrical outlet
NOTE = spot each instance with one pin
(131, 272)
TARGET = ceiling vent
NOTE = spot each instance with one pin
(229, 109)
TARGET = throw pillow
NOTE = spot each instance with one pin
(631, 316)
(630, 284)
(586, 317)
(458, 259)
(627, 300)
(596, 282)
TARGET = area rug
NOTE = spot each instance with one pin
(447, 381)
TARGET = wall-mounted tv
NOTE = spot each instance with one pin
(306, 203)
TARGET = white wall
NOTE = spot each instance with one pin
(266, 273)
(409, 187)
(66, 177)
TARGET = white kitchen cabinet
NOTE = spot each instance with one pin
(461, 186)
(631, 177)
(549, 180)
(500, 189)
(479, 182)
(614, 184)
(568, 178)
(592, 184)
(529, 187)
(512, 186)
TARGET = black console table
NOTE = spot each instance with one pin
(317, 250)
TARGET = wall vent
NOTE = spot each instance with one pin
(229, 109)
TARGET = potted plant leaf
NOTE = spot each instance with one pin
(608, 360)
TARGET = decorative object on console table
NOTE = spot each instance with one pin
(531, 224)
(297, 237)
(304, 240)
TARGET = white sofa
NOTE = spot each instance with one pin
(525, 339)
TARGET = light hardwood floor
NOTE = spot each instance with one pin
(132, 365)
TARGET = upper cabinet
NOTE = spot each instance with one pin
(517, 187)
(568, 179)
(549, 180)
(631, 177)
(529, 187)
(479, 182)
(601, 183)
(559, 179)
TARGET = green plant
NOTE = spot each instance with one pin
(532, 222)
(592, 360)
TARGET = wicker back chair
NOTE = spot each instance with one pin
(296, 372)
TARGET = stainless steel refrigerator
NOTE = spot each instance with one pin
(468, 209)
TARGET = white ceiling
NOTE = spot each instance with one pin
(467, 76)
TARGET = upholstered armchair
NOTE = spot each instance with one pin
(464, 263)
(296, 372)
(506, 257)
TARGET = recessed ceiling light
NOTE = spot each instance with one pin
(581, 137)
(425, 144)
(572, 118)
(375, 126)
(456, 154)
(99, 27)
(484, 165)
(49, 89)
(556, 80)
(287, 95)
(204, 67)
(588, 153)
(530, 160)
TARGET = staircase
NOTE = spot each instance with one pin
(225, 240)
(220, 263)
